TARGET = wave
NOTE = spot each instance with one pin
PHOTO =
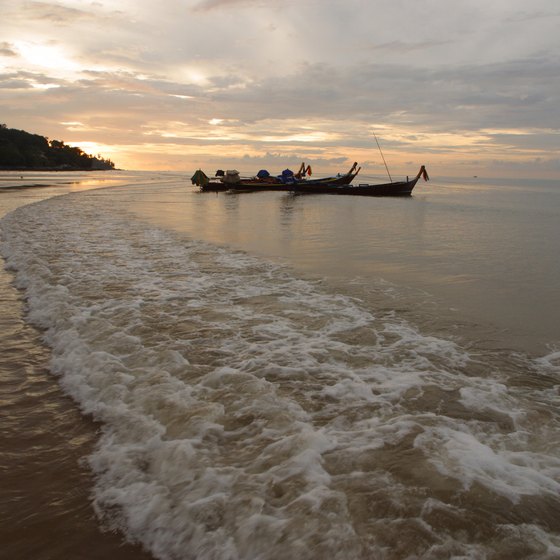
(249, 413)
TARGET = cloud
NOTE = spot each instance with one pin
(524, 16)
(263, 78)
(208, 5)
(26, 81)
(407, 46)
(515, 93)
(7, 49)
(54, 13)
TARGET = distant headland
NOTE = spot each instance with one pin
(23, 151)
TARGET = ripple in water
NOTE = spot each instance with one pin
(248, 413)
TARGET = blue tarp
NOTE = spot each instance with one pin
(287, 176)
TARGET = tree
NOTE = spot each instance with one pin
(20, 149)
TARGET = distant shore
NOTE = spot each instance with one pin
(62, 168)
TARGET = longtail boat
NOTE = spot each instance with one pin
(230, 180)
(394, 188)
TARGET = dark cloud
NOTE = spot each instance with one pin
(13, 82)
(6, 49)
(26, 80)
(522, 93)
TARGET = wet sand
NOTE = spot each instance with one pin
(45, 495)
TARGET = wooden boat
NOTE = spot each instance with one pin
(230, 180)
(245, 184)
(396, 188)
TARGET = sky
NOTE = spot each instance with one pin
(466, 87)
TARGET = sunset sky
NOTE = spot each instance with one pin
(467, 87)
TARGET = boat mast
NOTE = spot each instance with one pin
(382, 157)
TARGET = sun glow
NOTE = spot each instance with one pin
(75, 126)
(300, 137)
(194, 76)
(45, 56)
(37, 85)
(96, 149)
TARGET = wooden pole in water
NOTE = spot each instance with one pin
(384, 162)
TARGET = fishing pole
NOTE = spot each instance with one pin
(382, 157)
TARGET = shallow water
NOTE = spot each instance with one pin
(482, 253)
(306, 377)
(45, 495)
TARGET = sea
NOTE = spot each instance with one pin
(270, 376)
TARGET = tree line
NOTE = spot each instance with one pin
(23, 150)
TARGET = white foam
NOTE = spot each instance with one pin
(550, 361)
(511, 474)
(245, 410)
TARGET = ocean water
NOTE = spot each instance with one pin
(261, 375)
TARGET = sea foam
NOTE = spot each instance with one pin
(248, 413)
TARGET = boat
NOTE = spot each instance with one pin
(394, 188)
(263, 181)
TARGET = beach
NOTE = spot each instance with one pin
(263, 375)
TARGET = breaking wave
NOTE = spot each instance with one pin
(249, 413)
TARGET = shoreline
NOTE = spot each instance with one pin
(47, 493)
(56, 169)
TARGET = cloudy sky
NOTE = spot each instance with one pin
(467, 87)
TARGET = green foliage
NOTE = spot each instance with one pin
(22, 150)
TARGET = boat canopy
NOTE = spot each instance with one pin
(231, 176)
(200, 179)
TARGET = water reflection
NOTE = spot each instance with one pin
(472, 249)
(287, 206)
(231, 201)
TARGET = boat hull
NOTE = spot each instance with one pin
(339, 185)
(398, 188)
(253, 185)
(243, 186)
